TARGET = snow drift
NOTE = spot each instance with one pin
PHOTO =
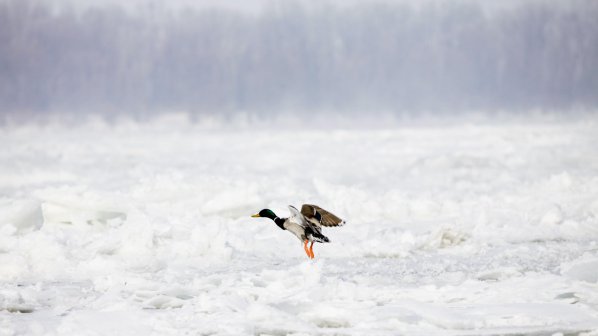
(475, 229)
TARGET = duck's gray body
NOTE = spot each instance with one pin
(296, 229)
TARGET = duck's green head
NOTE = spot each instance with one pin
(265, 213)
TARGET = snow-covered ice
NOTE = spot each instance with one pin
(145, 228)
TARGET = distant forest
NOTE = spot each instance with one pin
(437, 56)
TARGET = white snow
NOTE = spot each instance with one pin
(144, 229)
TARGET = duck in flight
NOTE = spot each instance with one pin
(305, 225)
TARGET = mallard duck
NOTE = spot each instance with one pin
(305, 225)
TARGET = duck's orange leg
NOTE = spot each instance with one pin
(311, 250)
(306, 249)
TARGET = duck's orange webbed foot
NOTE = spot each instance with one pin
(309, 254)
(311, 250)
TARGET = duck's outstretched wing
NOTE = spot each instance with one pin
(318, 216)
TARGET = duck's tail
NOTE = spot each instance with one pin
(318, 237)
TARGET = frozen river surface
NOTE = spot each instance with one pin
(145, 229)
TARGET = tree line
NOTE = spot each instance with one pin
(439, 56)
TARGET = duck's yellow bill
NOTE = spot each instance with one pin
(256, 215)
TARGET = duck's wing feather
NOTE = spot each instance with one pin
(316, 215)
(297, 218)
